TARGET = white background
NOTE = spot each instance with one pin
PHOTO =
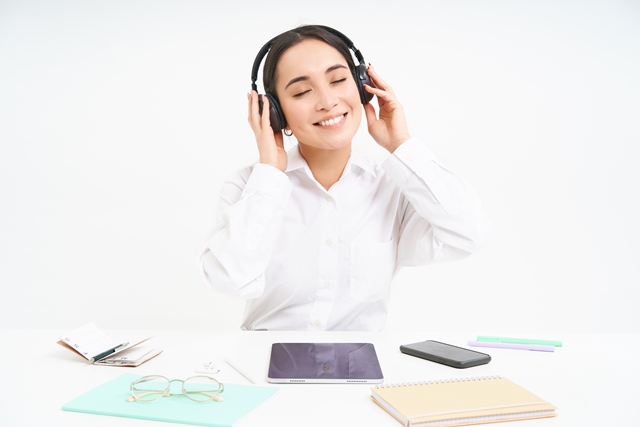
(119, 121)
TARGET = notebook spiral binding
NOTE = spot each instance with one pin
(448, 380)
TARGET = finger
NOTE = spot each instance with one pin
(370, 114)
(266, 124)
(254, 112)
(249, 106)
(383, 95)
(377, 80)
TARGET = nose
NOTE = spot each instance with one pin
(326, 99)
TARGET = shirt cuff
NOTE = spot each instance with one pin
(269, 181)
(409, 156)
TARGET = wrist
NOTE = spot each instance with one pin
(398, 142)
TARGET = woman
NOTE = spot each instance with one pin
(312, 237)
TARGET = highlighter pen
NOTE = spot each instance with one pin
(519, 341)
(107, 353)
(534, 347)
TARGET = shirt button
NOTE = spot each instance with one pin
(325, 367)
(326, 285)
(327, 242)
(316, 323)
(328, 198)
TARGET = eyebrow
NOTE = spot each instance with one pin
(303, 78)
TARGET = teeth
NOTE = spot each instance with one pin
(333, 121)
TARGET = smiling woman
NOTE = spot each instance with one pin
(312, 237)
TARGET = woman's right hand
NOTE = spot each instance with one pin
(270, 142)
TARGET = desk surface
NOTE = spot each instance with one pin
(592, 379)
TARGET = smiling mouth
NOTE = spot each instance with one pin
(331, 122)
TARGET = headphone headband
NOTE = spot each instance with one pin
(267, 46)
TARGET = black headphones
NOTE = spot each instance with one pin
(278, 121)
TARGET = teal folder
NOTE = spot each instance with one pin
(110, 399)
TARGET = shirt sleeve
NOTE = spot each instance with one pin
(250, 212)
(442, 218)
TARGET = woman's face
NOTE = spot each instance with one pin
(318, 95)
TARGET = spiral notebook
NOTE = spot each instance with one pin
(457, 402)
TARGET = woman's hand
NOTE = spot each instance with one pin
(270, 142)
(390, 129)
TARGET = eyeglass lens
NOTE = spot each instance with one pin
(201, 388)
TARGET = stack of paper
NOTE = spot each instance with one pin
(98, 348)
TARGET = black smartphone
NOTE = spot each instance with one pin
(446, 354)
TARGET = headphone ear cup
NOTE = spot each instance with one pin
(276, 117)
(361, 77)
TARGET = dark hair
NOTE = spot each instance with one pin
(292, 37)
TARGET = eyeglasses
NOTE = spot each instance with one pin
(153, 387)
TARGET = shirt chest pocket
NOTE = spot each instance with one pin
(370, 270)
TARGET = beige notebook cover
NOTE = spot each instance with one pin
(459, 402)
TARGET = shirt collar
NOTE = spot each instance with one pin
(356, 160)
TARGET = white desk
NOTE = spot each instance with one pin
(592, 379)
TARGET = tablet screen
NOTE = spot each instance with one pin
(324, 363)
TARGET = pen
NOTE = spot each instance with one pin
(107, 353)
(240, 371)
(535, 347)
(519, 340)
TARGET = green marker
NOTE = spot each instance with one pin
(519, 340)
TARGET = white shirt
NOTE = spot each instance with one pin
(305, 258)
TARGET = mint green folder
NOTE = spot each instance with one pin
(110, 399)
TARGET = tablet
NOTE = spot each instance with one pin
(321, 363)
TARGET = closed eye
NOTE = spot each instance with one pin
(339, 81)
(299, 94)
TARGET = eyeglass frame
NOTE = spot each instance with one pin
(167, 391)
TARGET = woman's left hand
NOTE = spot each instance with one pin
(390, 129)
